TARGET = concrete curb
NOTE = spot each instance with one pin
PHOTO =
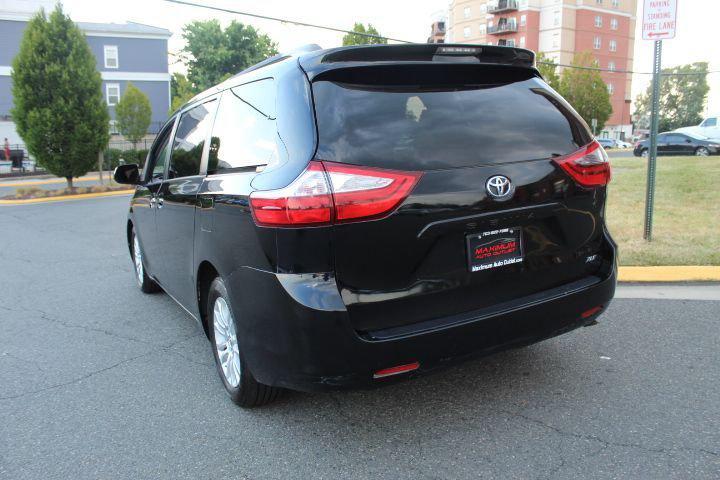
(63, 198)
(681, 273)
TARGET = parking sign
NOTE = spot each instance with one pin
(659, 19)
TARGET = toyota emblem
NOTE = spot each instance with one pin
(499, 188)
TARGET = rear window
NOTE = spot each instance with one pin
(435, 126)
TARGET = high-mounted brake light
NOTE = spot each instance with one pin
(589, 166)
(328, 192)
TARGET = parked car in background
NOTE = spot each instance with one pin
(675, 143)
(607, 143)
(622, 144)
(332, 222)
(708, 128)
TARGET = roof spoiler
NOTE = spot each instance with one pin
(317, 62)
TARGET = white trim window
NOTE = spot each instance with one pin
(613, 24)
(597, 43)
(613, 46)
(556, 40)
(556, 18)
(466, 32)
(523, 20)
(481, 29)
(483, 8)
(615, 3)
(522, 41)
(114, 128)
(611, 66)
(466, 12)
(611, 88)
(112, 59)
(598, 21)
(112, 93)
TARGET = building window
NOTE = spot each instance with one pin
(597, 43)
(616, 3)
(613, 46)
(111, 56)
(556, 40)
(522, 41)
(611, 88)
(114, 128)
(523, 20)
(556, 18)
(599, 2)
(112, 93)
(613, 23)
(481, 29)
(466, 12)
(466, 32)
(598, 21)
(611, 66)
(483, 8)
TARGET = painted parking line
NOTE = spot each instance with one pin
(63, 198)
(50, 181)
(678, 273)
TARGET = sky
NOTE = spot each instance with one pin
(696, 37)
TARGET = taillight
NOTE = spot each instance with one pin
(306, 201)
(328, 192)
(589, 166)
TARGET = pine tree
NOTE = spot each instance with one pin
(59, 108)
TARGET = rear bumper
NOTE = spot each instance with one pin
(300, 339)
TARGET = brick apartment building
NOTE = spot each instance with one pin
(559, 28)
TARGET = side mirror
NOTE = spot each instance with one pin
(127, 174)
(688, 140)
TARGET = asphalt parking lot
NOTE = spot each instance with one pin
(98, 380)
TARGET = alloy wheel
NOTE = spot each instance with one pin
(137, 260)
(702, 152)
(226, 344)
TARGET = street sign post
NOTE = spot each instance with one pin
(659, 18)
(658, 23)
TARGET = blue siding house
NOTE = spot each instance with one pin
(128, 52)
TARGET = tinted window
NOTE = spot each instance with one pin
(675, 139)
(244, 135)
(440, 126)
(190, 139)
(710, 122)
(159, 154)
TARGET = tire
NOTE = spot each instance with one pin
(702, 152)
(146, 284)
(239, 382)
(644, 153)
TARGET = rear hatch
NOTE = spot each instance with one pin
(451, 250)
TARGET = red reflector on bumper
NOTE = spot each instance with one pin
(591, 312)
(387, 372)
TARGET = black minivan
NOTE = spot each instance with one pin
(345, 217)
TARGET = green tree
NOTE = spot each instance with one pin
(59, 108)
(548, 69)
(585, 90)
(213, 54)
(182, 91)
(683, 92)
(354, 39)
(133, 114)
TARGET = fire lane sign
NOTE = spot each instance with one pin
(659, 19)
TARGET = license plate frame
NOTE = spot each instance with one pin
(493, 249)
